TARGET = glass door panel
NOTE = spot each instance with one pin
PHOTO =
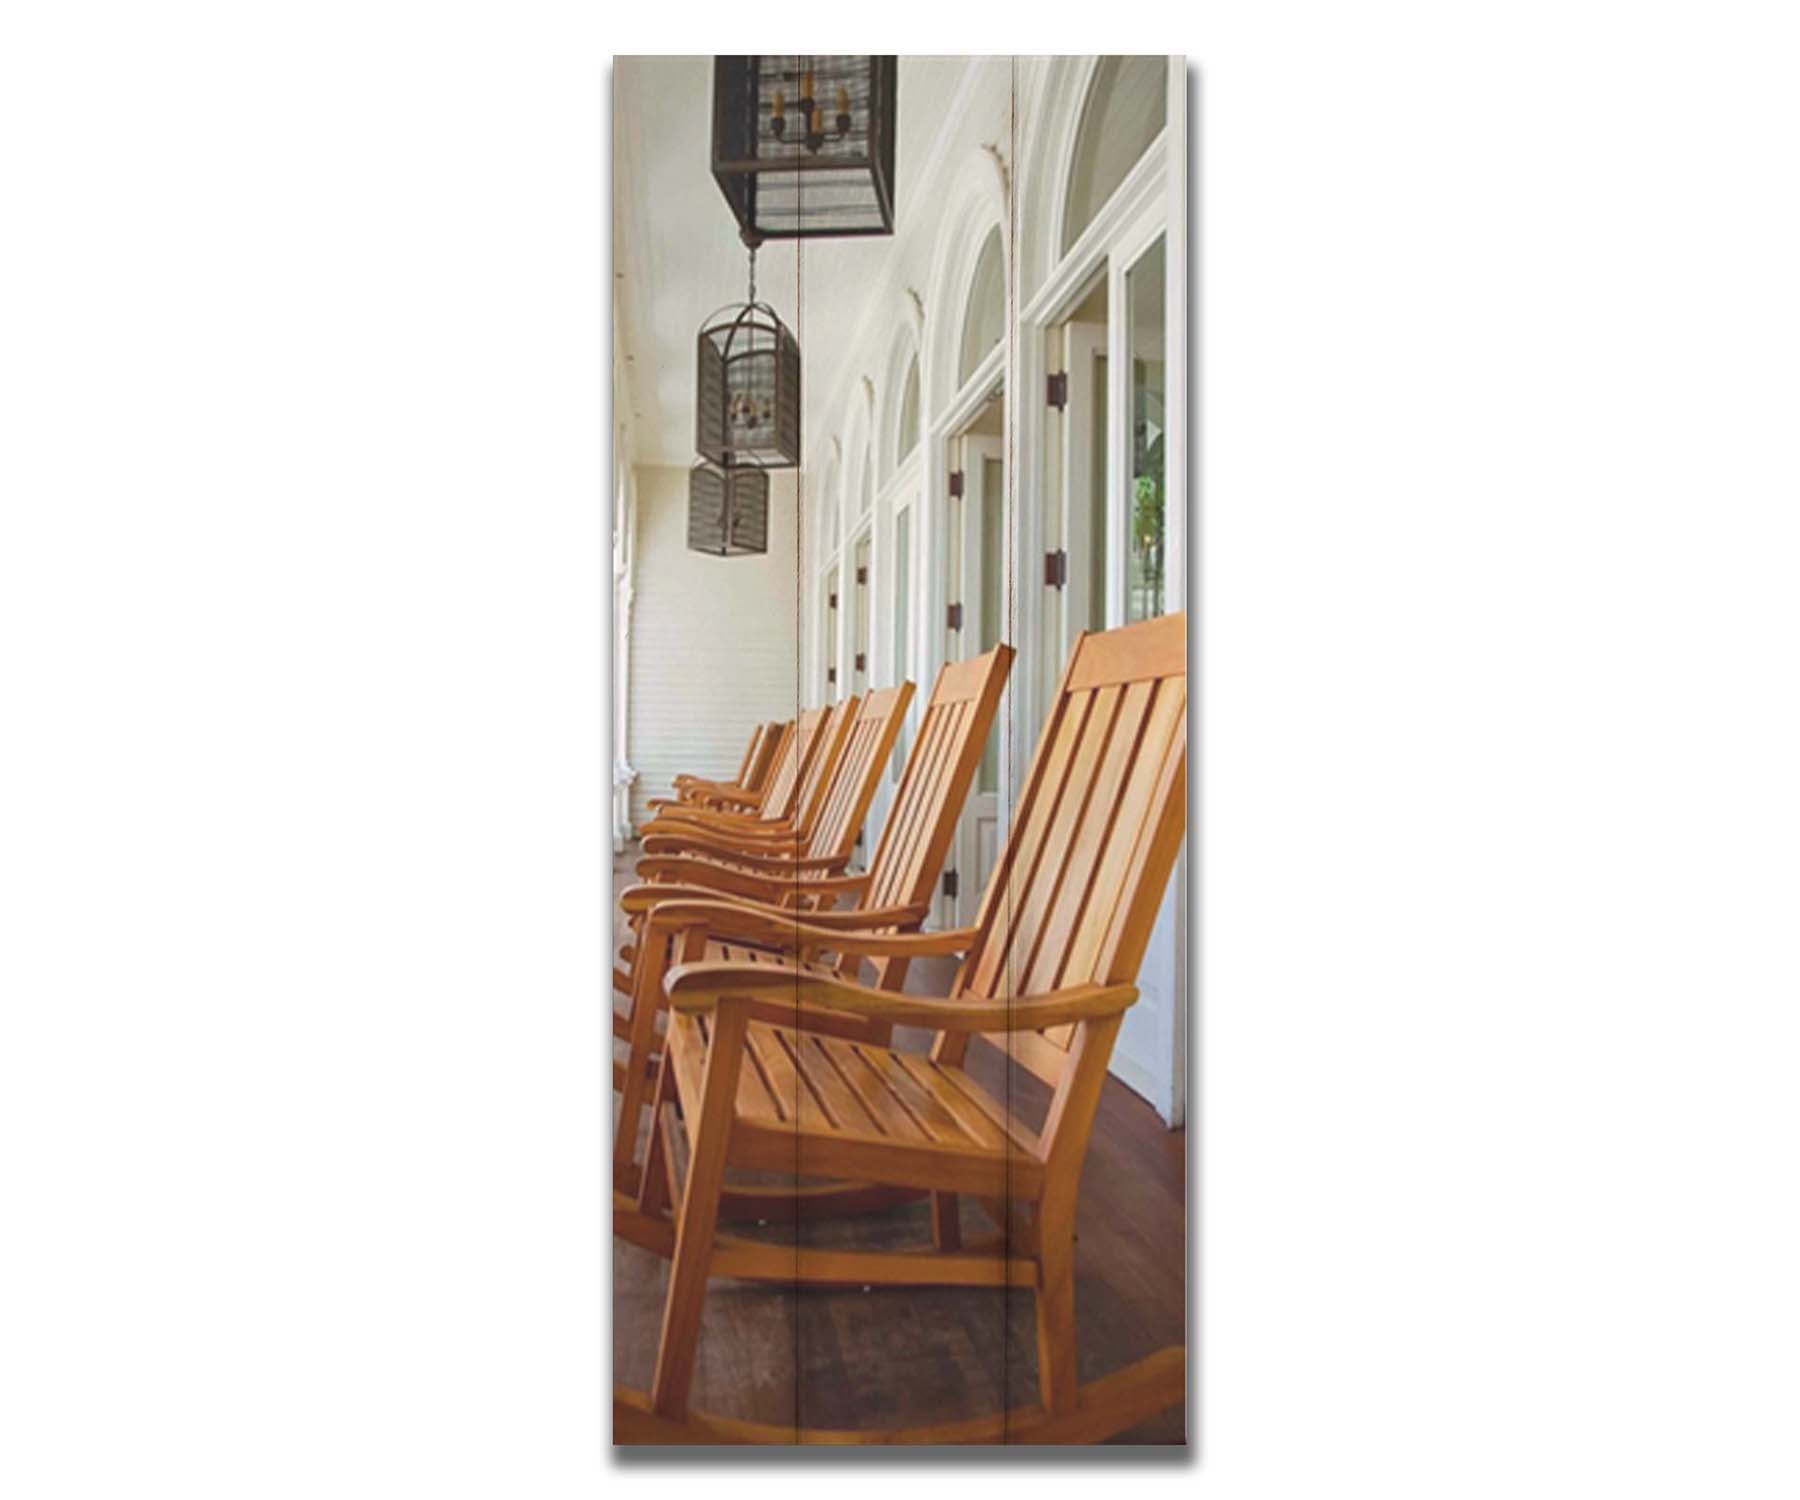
(976, 534)
(903, 605)
(1146, 502)
(990, 503)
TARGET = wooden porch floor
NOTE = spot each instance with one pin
(906, 1356)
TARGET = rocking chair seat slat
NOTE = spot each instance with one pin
(829, 1106)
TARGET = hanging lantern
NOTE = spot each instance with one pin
(803, 147)
(728, 511)
(747, 407)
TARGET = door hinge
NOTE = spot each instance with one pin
(1056, 569)
(859, 838)
(831, 601)
(956, 484)
(953, 616)
(949, 882)
(862, 662)
(831, 675)
(1056, 389)
(862, 575)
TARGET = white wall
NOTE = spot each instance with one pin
(714, 648)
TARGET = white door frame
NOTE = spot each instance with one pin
(982, 814)
(865, 531)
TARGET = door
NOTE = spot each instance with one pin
(976, 622)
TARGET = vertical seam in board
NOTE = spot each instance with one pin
(799, 578)
(1015, 408)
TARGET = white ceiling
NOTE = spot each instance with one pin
(676, 252)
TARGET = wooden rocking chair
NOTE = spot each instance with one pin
(894, 894)
(1050, 970)
(786, 802)
(832, 839)
(752, 773)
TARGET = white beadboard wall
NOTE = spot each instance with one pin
(714, 648)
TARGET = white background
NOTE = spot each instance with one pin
(301, 724)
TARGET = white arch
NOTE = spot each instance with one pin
(858, 450)
(903, 349)
(1053, 117)
(975, 205)
(820, 505)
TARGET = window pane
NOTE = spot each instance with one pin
(867, 498)
(1147, 503)
(993, 541)
(1126, 107)
(909, 412)
(985, 320)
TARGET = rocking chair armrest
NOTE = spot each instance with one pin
(668, 813)
(637, 899)
(777, 927)
(687, 787)
(755, 857)
(755, 832)
(789, 864)
(718, 880)
(748, 822)
(706, 782)
(705, 986)
(840, 885)
(774, 861)
(709, 822)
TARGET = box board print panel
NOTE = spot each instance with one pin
(900, 985)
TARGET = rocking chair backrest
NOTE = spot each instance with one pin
(798, 740)
(829, 739)
(1075, 893)
(939, 769)
(753, 775)
(742, 778)
(867, 746)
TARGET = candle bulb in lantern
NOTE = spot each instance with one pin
(778, 115)
(843, 110)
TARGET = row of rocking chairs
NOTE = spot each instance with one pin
(762, 985)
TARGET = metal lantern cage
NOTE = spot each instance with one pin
(804, 146)
(747, 407)
(728, 511)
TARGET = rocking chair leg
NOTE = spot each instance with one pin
(1056, 1312)
(653, 1186)
(651, 963)
(710, 1131)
